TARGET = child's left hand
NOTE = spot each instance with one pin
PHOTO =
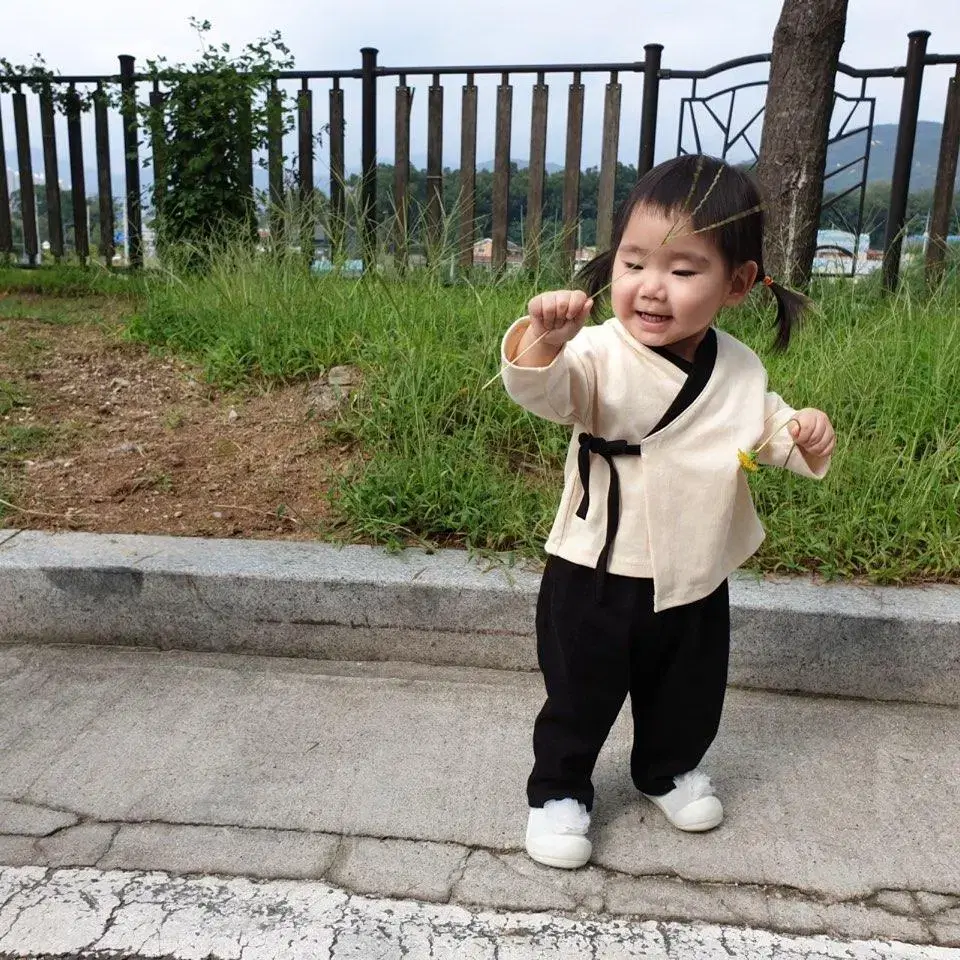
(812, 432)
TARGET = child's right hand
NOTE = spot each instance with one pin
(560, 314)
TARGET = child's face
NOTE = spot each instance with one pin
(669, 283)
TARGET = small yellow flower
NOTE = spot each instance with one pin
(749, 461)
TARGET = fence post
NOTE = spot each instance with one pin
(651, 97)
(158, 144)
(104, 178)
(368, 186)
(28, 209)
(78, 184)
(943, 191)
(131, 152)
(276, 206)
(6, 226)
(906, 134)
(51, 174)
(434, 231)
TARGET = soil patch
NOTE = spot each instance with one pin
(102, 435)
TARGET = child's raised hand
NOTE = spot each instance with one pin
(560, 314)
(812, 432)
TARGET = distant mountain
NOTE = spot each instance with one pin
(63, 172)
(487, 166)
(926, 153)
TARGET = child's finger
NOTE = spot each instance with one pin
(548, 310)
(575, 303)
(797, 431)
(815, 434)
(825, 444)
(563, 307)
(535, 308)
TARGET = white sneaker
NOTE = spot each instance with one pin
(557, 834)
(691, 805)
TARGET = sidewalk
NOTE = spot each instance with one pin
(406, 780)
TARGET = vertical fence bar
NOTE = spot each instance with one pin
(401, 168)
(538, 168)
(337, 183)
(606, 189)
(28, 209)
(245, 123)
(275, 162)
(104, 179)
(571, 173)
(51, 174)
(131, 151)
(906, 134)
(6, 226)
(866, 167)
(78, 184)
(943, 191)
(651, 97)
(501, 173)
(368, 150)
(158, 142)
(305, 170)
(434, 167)
(468, 172)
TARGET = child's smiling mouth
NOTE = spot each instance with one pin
(654, 318)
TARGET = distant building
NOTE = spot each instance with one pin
(483, 252)
(840, 252)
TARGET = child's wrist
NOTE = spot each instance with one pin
(534, 349)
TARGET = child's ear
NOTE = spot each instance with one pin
(742, 280)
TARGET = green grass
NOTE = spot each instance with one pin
(887, 370)
(445, 462)
(19, 443)
(68, 281)
(33, 441)
(12, 395)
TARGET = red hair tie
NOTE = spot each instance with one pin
(768, 281)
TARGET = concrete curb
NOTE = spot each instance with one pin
(361, 603)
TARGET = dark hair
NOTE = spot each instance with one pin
(719, 199)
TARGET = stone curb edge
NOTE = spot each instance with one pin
(359, 603)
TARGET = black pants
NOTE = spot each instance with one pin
(672, 663)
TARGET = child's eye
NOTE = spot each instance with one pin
(684, 273)
(633, 266)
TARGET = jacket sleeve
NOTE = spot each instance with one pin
(561, 392)
(781, 451)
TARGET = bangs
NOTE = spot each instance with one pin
(707, 191)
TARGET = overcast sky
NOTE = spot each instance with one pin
(82, 38)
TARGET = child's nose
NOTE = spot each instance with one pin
(651, 285)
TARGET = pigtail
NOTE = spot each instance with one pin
(791, 306)
(594, 276)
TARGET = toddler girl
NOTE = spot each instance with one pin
(656, 511)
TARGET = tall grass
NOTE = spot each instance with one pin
(443, 461)
(887, 369)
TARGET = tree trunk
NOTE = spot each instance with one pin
(796, 125)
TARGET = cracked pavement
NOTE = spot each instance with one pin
(77, 913)
(174, 781)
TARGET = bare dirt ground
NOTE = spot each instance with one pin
(102, 435)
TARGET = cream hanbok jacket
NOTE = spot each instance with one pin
(683, 514)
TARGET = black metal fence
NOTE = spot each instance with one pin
(370, 76)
